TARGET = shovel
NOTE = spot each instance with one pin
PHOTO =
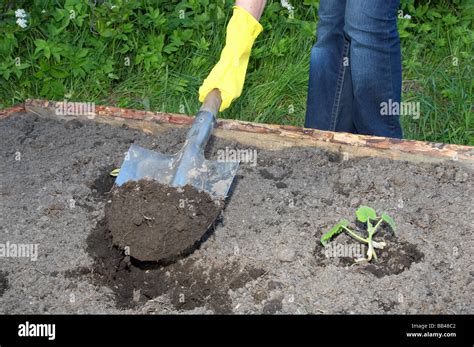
(188, 166)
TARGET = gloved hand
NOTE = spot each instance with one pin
(228, 75)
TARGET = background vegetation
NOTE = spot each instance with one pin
(154, 55)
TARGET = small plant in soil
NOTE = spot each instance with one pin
(373, 223)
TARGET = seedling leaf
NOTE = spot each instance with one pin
(365, 213)
(389, 220)
(114, 172)
(337, 229)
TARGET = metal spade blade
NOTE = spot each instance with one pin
(188, 166)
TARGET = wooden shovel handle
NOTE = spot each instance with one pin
(212, 103)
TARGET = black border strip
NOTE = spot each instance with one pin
(278, 329)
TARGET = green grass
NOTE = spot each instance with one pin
(168, 76)
(439, 64)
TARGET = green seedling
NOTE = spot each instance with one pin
(373, 223)
(114, 172)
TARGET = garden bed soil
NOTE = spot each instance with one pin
(262, 256)
(153, 222)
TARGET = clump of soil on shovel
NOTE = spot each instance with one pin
(152, 222)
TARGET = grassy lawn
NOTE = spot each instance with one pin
(155, 54)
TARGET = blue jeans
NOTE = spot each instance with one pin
(355, 67)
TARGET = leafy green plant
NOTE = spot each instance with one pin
(121, 52)
(368, 216)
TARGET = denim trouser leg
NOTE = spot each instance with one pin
(348, 98)
(371, 26)
(327, 70)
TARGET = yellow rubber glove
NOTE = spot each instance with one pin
(228, 75)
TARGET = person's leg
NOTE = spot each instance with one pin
(375, 60)
(329, 89)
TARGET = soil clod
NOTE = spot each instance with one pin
(3, 282)
(154, 222)
(104, 183)
(188, 284)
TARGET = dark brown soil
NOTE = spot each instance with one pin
(153, 222)
(104, 183)
(3, 282)
(395, 258)
(187, 284)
